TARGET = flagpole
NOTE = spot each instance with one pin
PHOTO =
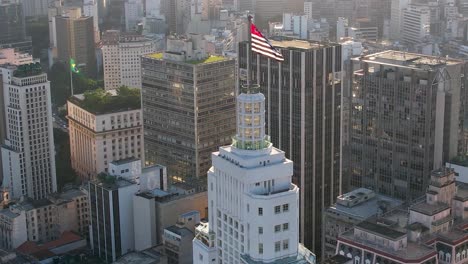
(71, 76)
(249, 53)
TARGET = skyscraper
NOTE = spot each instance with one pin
(188, 107)
(405, 120)
(13, 26)
(303, 100)
(28, 156)
(75, 39)
(253, 205)
(121, 55)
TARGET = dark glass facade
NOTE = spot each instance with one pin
(303, 102)
(12, 23)
(189, 111)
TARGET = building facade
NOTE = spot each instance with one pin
(98, 138)
(416, 24)
(188, 107)
(121, 58)
(12, 23)
(405, 120)
(75, 39)
(253, 205)
(28, 155)
(178, 244)
(303, 101)
(111, 236)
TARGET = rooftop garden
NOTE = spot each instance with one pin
(461, 160)
(100, 101)
(209, 59)
(27, 70)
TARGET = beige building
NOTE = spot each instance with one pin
(100, 137)
(121, 58)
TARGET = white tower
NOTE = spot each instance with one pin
(253, 206)
(28, 156)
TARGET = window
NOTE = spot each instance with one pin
(285, 226)
(260, 230)
(260, 211)
(285, 244)
(277, 246)
(277, 209)
(260, 248)
(285, 207)
(277, 228)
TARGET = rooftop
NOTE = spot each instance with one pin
(411, 252)
(367, 208)
(181, 231)
(111, 182)
(337, 259)
(409, 60)
(380, 230)
(304, 256)
(209, 59)
(124, 161)
(104, 102)
(27, 70)
(292, 43)
(429, 209)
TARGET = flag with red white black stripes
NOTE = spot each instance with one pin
(262, 45)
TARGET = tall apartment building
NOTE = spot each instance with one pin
(405, 120)
(90, 9)
(13, 231)
(253, 205)
(430, 230)
(188, 107)
(111, 220)
(396, 18)
(28, 155)
(303, 100)
(100, 136)
(416, 24)
(133, 13)
(13, 27)
(75, 39)
(121, 58)
(35, 8)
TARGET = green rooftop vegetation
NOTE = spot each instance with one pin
(158, 55)
(27, 70)
(100, 101)
(210, 59)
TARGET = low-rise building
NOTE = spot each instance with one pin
(350, 209)
(178, 244)
(434, 231)
(99, 135)
(111, 236)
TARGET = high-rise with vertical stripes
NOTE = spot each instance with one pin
(303, 102)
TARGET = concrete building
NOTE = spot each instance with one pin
(121, 58)
(35, 8)
(72, 208)
(416, 25)
(13, 230)
(111, 236)
(10, 56)
(98, 137)
(178, 244)
(188, 107)
(253, 205)
(297, 23)
(155, 210)
(70, 29)
(133, 13)
(405, 120)
(90, 9)
(396, 18)
(303, 100)
(13, 27)
(28, 155)
(351, 209)
(434, 230)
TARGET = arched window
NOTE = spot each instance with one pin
(441, 255)
(357, 260)
(448, 257)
